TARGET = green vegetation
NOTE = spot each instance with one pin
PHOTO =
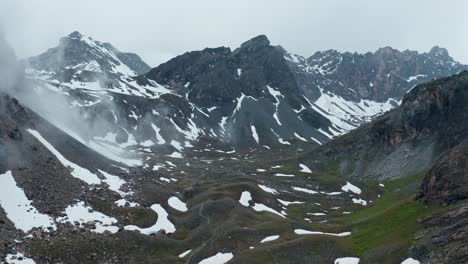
(387, 229)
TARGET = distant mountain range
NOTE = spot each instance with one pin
(257, 94)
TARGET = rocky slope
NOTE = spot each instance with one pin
(430, 120)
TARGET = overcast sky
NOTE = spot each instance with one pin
(158, 30)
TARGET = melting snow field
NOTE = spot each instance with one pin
(299, 189)
(246, 197)
(360, 201)
(18, 208)
(14, 259)
(77, 171)
(114, 182)
(284, 175)
(349, 187)
(162, 223)
(410, 261)
(268, 189)
(185, 253)
(306, 232)
(177, 204)
(219, 258)
(304, 168)
(268, 239)
(286, 203)
(347, 260)
(84, 214)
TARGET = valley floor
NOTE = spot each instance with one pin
(217, 205)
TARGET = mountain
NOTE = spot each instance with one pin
(256, 95)
(78, 55)
(386, 73)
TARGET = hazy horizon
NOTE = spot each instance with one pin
(158, 31)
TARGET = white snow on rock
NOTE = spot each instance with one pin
(317, 214)
(14, 259)
(177, 145)
(261, 207)
(114, 182)
(176, 155)
(185, 253)
(349, 187)
(261, 170)
(268, 189)
(347, 260)
(159, 138)
(306, 232)
(286, 203)
(410, 261)
(162, 223)
(276, 95)
(18, 208)
(284, 175)
(359, 201)
(268, 239)
(254, 134)
(83, 214)
(300, 189)
(304, 168)
(219, 258)
(125, 203)
(177, 204)
(347, 115)
(245, 198)
(76, 171)
(299, 137)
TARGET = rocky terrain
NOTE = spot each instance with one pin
(136, 165)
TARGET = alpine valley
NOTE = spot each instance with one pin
(252, 155)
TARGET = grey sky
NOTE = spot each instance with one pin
(158, 30)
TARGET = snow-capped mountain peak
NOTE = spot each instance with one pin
(78, 56)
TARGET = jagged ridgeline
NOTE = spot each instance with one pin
(257, 95)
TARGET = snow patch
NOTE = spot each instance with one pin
(270, 238)
(306, 232)
(219, 258)
(76, 171)
(347, 260)
(349, 187)
(177, 204)
(18, 207)
(162, 223)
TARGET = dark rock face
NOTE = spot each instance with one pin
(448, 240)
(215, 76)
(387, 73)
(431, 120)
(447, 182)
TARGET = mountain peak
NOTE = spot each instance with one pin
(260, 41)
(75, 35)
(439, 52)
